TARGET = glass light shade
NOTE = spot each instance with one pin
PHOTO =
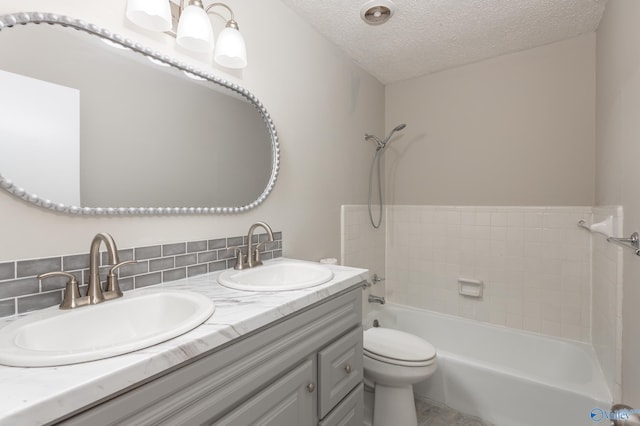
(154, 15)
(194, 30)
(231, 51)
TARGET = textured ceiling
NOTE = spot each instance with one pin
(425, 36)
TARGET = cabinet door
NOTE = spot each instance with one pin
(287, 402)
(339, 369)
(350, 412)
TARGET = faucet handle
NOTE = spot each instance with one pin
(256, 254)
(240, 263)
(377, 279)
(72, 297)
(113, 288)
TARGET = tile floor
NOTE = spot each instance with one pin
(430, 414)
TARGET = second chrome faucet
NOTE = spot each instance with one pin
(253, 252)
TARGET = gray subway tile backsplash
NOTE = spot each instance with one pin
(196, 246)
(147, 279)
(161, 264)
(125, 284)
(207, 256)
(21, 291)
(186, 259)
(142, 253)
(173, 249)
(28, 268)
(39, 301)
(235, 241)
(7, 307)
(217, 266)
(217, 244)
(226, 254)
(7, 271)
(76, 261)
(19, 287)
(134, 269)
(192, 271)
(174, 274)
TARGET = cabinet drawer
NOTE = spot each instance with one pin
(288, 401)
(339, 370)
(350, 412)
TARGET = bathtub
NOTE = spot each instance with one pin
(504, 376)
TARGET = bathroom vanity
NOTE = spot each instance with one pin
(284, 358)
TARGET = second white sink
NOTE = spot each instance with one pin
(276, 276)
(140, 319)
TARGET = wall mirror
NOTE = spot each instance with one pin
(91, 123)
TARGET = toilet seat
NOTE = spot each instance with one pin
(397, 347)
(400, 362)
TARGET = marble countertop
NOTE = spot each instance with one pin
(34, 396)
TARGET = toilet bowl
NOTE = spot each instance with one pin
(393, 362)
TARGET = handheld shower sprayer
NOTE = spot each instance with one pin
(380, 145)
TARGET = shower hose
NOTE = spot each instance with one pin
(374, 163)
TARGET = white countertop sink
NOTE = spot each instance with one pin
(137, 320)
(276, 276)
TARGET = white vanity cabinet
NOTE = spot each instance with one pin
(305, 369)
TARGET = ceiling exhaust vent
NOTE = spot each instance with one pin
(376, 12)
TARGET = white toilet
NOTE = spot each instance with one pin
(393, 362)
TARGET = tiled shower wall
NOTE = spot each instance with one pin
(363, 246)
(606, 303)
(534, 262)
(21, 291)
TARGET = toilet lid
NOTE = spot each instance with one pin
(397, 345)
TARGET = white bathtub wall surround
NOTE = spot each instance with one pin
(606, 303)
(20, 290)
(503, 376)
(534, 262)
(41, 395)
(363, 246)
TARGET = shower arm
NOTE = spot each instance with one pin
(382, 143)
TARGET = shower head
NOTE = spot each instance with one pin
(381, 143)
(395, 129)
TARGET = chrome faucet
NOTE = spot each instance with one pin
(95, 293)
(253, 253)
(376, 299)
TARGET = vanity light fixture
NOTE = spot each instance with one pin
(191, 26)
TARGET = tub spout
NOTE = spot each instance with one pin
(376, 299)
